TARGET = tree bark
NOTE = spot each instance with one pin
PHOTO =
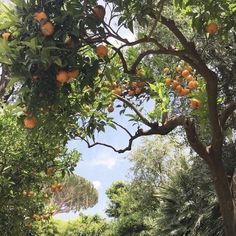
(224, 195)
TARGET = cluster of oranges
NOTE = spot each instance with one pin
(46, 26)
(28, 193)
(183, 83)
(56, 187)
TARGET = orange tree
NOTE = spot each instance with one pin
(59, 65)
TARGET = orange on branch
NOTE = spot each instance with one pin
(212, 28)
(184, 92)
(189, 78)
(101, 50)
(174, 84)
(110, 108)
(99, 12)
(185, 73)
(168, 82)
(38, 16)
(131, 92)
(30, 122)
(178, 88)
(62, 76)
(117, 91)
(73, 74)
(47, 29)
(193, 84)
(195, 103)
(6, 36)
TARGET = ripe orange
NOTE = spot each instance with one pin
(189, 78)
(30, 194)
(102, 51)
(177, 78)
(47, 29)
(192, 84)
(117, 91)
(195, 103)
(190, 68)
(110, 108)
(131, 92)
(178, 88)
(99, 12)
(54, 188)
(174, 84)
(30, 122)
(62, 76)
(73, 74)
(212, 28)
(6, 36)
(138, 91)
(38, 16)
(184, 92)
(168, 82)
(185, 73)
(140, 84)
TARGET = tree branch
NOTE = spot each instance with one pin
(227, 112)
(140, 115)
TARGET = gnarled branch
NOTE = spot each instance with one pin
(227, 112)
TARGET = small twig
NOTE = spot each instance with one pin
(140, 115)
(160, 6)
(122, 127)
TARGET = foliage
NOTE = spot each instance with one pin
(86, 226)
(77, 193)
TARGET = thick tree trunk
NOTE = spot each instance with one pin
(225, 198)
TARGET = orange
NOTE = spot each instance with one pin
(110, 108)
(54, 188)
(140, 84)
(189, 78)
(185, 73)
(6, 36)
(47, 29)
(99, 12)
(102, 51)
(178, 88)
(40, 16)
(192, 84)
(212, 28)
(168, 82)
(184, 92)
(62, 76)
(131, 92)
(30, 194)
(73, 74)
(117, 91)
(177, 78)
(30, 122)
(195, 103)
(190, 68)
(174, 84)
(138, 91)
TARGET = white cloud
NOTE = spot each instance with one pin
(97, 184)
(104, 159)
